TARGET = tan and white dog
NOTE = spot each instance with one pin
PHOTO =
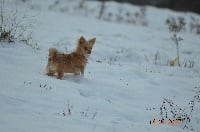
(74, 62)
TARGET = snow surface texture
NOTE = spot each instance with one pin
(122, 89)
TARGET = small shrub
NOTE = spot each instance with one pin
(172, 62)
(88, 114)
(12, 28)
(7, 32)
(119, 18)
(140, 16)
(157, 58)
(169, 110)
(195, 25)
(111, 61)
(189, 63)
(56, 2)
(175, 26)
(67, 110)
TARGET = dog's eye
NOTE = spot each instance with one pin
(85, 48)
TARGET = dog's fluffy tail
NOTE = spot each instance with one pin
(53, 52)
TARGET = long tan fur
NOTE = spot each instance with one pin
(74, 62)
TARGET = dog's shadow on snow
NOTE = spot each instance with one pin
(71, 78)
(76, 79)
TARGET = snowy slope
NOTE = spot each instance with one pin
(122, 89)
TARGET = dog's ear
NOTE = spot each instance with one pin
(92, 41)
(82, 40)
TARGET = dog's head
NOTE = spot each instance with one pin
(85, 46)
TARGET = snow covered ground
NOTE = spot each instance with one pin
(122, 89)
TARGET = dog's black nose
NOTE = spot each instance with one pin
(89, 52)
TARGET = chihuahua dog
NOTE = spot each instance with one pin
(74, 62)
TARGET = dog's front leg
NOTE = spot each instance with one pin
(82, 70)
(60, 75)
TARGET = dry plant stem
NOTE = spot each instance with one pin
(177, 48)
(2, 3)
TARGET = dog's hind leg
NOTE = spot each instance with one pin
(50, 71)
